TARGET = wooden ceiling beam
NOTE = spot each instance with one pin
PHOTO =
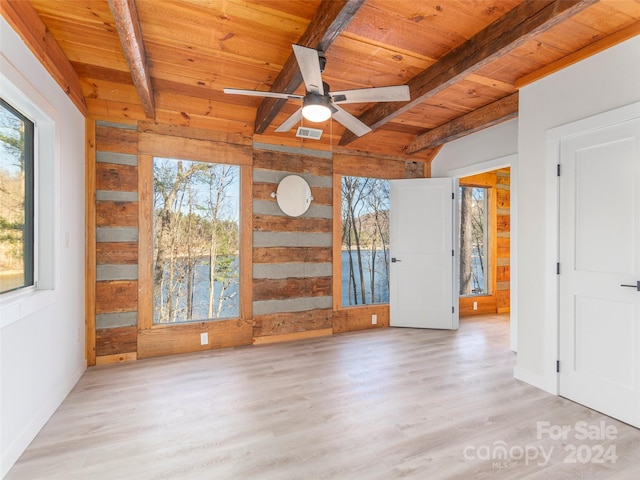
(127, 23)
(516, 27)
(27, 23)
(497, 112)
(331, 18)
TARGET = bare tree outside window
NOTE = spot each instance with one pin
(365, 241)
(196, 241)
(16, 200)
(473, 240)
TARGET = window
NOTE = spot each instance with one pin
(195, 241)
(16, 199)
(365, 241)
(474, 240)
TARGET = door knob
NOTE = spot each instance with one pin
(636, 286)
(394, 260)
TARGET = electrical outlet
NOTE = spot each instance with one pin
(475, 305)
(204, 338)
(374, 319)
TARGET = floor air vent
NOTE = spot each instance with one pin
(313, 133)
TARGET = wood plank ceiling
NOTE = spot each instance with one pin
(463, 60)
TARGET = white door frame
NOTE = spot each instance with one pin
(510, 161)
(551, 321)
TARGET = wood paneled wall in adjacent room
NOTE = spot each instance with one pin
(503, 225)
(498, 301)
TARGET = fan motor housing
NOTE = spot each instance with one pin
(316, 107)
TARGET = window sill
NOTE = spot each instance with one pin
(202, 323)
(364, 306)
(20, 305)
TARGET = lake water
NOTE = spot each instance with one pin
(381, 278)
(200, 307)
(231, 305)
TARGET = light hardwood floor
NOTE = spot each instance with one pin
(382, 404)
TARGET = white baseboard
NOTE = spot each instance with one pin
(11, 453)
(534, 379)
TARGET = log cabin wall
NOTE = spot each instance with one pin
(291, 293)
(116, 234)
(292, 282)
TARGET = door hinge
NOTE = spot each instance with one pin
(453, 196)
(558, 268)
(453, 309)
(453, 253)
(557, 366)
(558, 170)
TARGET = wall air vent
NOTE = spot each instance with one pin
(313, 133)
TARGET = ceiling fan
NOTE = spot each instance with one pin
(319, 103)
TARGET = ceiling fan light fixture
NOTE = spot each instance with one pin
(316, 108)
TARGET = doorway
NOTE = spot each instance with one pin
(509, 295)
(484, 216)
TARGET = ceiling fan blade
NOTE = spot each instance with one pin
(398, 93)
(260, 93)
(349, 121)
(309, 64)
(290, 122)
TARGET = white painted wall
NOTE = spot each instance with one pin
(484, 146)
(489, 149)
(42, 332)
(598, 84)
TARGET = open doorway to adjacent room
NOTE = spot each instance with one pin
(484, 242)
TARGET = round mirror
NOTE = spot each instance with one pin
(293, 195)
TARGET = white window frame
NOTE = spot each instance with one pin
(22, 95)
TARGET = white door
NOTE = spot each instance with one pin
(599, 254)
(422, 291)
